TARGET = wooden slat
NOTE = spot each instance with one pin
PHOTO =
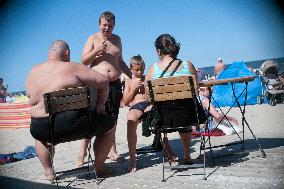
(226, 81)
(171, 88)
(170, 80)
(68, 92)
(172, 96)
(55, 108)
(68, 99)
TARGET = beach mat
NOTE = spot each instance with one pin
(15, 115)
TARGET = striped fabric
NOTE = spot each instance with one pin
(15, 115)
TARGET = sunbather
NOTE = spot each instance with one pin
(217, 117)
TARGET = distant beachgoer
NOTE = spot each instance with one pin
(10, 98)
(281, 78)
(217, 117)
(59, 73)
(103, 53)
(250, 68)
(167, 50)
(3, 91)
(219, 67)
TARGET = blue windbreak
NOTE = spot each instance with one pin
(223, 94)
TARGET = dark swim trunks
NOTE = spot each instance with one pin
(71, 125)
(140, 106)
(113, 101)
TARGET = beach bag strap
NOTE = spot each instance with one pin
(166, 69)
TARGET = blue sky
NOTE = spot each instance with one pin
(245, 30)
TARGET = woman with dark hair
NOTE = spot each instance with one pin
(174, 114)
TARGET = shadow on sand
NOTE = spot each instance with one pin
(223, 157)
(14, 183)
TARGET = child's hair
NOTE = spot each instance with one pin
(138, 61)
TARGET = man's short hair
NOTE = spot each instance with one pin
(109, 16)
(139, 61)
(58, 47)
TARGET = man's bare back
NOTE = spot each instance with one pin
(54, 75)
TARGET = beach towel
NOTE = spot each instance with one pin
(29, 152)
(211, 133)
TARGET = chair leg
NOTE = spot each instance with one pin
(164, 155)
(204, 157)
(51, 122)
(54, 179)
(211, 152)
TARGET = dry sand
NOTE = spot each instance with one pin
(244, 169)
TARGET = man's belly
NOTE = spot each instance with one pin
(108, 70)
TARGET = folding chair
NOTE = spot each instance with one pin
(171, 89)
(64, 100)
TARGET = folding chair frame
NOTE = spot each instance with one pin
(64, 100)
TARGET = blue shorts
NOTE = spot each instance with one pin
(140, 106)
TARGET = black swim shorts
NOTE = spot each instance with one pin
(71, 125)
(113, 101)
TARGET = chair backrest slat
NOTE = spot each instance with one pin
(56, 108)
(67, 99)
(172, 88)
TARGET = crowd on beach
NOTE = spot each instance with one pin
(104, 70)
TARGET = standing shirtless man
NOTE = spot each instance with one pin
(103, 53)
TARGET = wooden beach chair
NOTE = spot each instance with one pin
(171, 89)
(64, 100)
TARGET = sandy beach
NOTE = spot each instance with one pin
(234, 168)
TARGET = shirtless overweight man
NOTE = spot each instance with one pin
(103, 52)
(59, 73)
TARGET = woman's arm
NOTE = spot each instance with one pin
(193, 71)
(149, 73)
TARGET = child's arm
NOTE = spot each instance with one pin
(129, 93)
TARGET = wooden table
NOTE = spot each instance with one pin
(231, 81)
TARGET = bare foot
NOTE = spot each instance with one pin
(49, 176)
(80, 160)
(132, 166)
(116, 157)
